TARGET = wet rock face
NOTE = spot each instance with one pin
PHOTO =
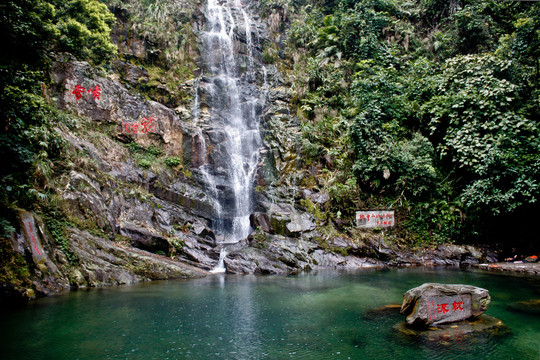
(433, 304)
(276, 254)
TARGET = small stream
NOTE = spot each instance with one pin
(322, 315)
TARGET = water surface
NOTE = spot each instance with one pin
(322, 315)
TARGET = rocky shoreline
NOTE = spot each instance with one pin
(511, 268)
(95, 261)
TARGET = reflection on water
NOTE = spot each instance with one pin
(311, 316)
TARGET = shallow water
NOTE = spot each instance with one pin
(320, 315)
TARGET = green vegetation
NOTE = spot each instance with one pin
(173, 161)
(177, 244)
(145, 157)
(13, 268)
(260, 239)
(429, 107)
(57, 224)
(164, 29)
(84, 29)
(32, 31)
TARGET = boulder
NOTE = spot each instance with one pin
(434, 304)
(255, 261)
(319, 198)
(104, 262)
(299, 224)
(203, 231)
(285, 220)
(260, 220)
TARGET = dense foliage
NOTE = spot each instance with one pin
(430, 107)
(33, 31)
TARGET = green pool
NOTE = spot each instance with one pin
(324, 315)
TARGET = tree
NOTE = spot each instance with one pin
(85, 27)
(484, 136)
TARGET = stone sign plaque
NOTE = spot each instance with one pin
(444, 309)
(375, 219)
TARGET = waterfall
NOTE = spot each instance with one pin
(220, 267)
(228, 136)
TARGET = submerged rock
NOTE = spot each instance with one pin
(529, 306)
(446, 334)
(383, 311)
(434, 304)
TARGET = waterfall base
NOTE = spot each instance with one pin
(220, 267)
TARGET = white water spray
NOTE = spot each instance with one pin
(220, 267)
(232, 97)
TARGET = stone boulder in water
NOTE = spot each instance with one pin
(434, 304)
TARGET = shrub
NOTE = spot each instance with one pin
(144, 163)
(172, 161)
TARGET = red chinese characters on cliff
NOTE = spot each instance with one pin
(79, 91)
(145, 126)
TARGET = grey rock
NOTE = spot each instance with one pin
(103, 262)
(519, 268)
(203, 231)
(300, 223)
(144, 239)
(198, 253)
(319, 198)
(287, 221)
(433, 304)
(44, 259)
(255, 261)
(260, 220)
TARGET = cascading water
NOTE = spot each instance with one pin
(220, 267)
(228, 135)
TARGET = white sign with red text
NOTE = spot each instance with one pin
(375, 219)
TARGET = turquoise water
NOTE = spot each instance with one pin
(322, 315)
